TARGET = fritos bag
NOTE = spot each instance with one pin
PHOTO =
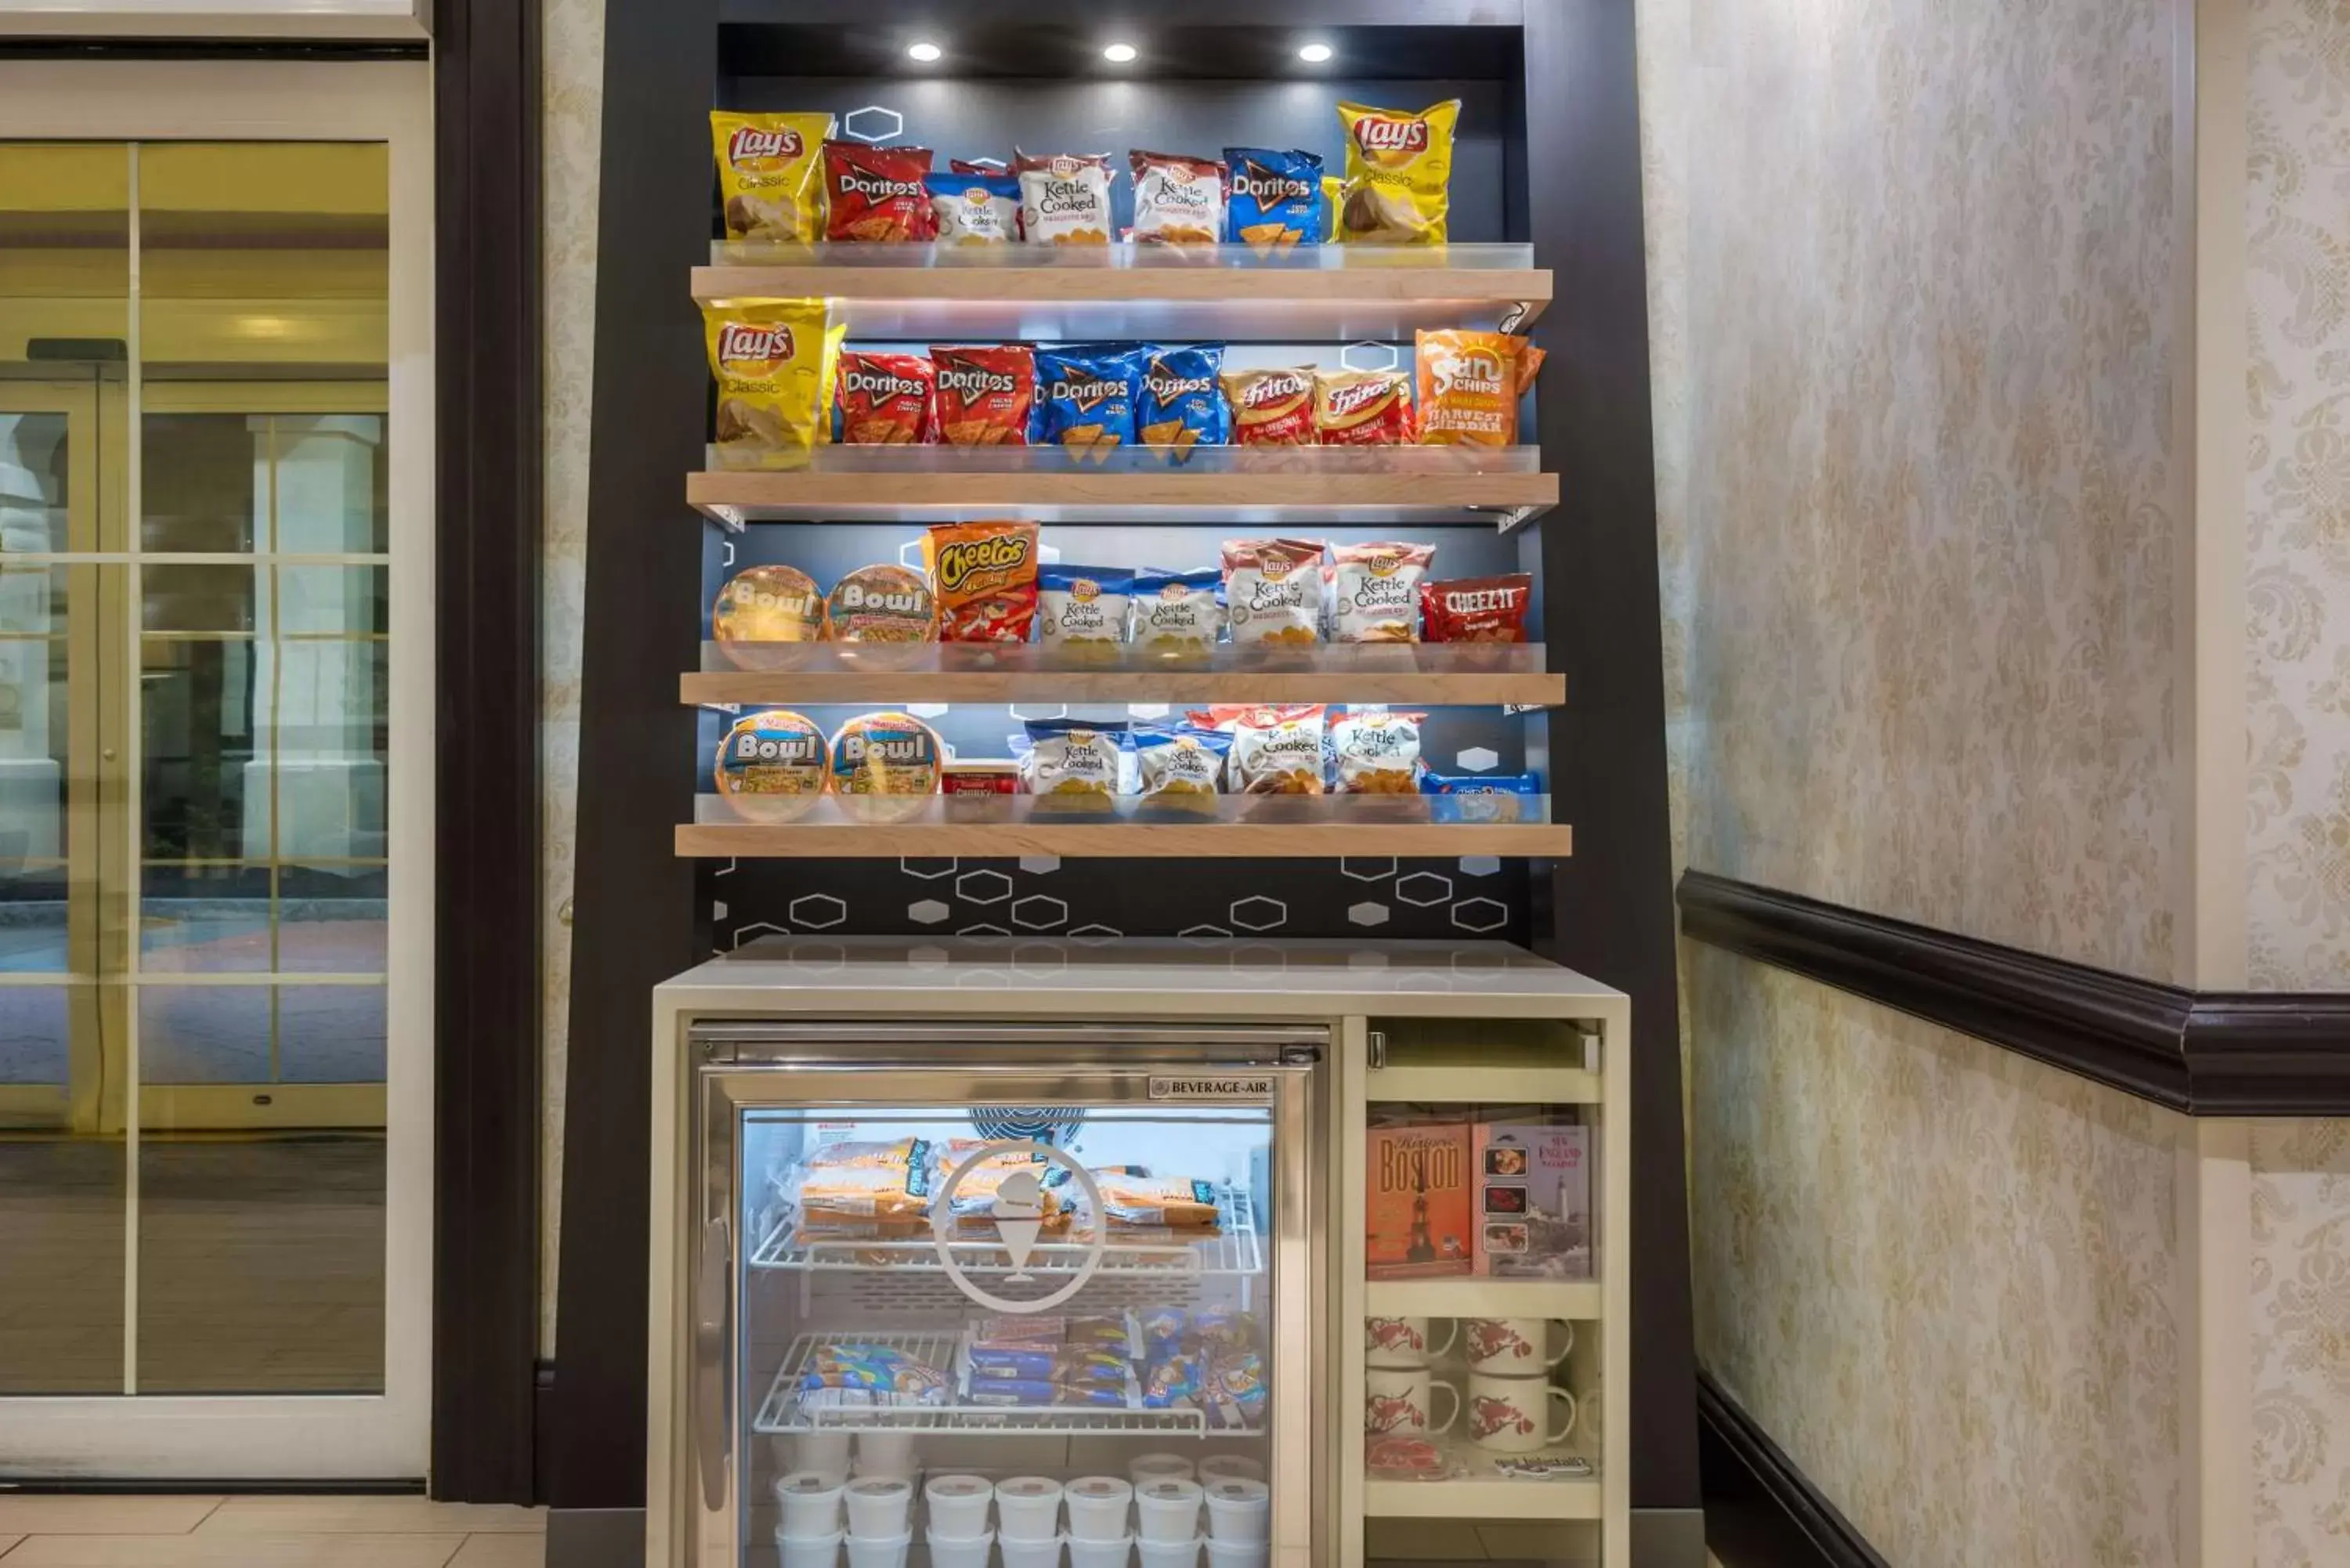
(1470, 384)
(985, 395)
(769, 359)
(983, 575)
(767, 167)
(1065, 199)
(1362, 407)
(1177, 201)
(884, 399)
(876, 193)
(1399, 174)
(1271, 408)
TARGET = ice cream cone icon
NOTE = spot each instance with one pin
(1019, 1216)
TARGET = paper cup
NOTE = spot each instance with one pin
(1084, 1554)
(878, 1551)
(1239, 1509)
(825, 1453)
(1150, 1467)
(958, 1506)
(1238, 1553)
(1096, 1507)
(1241, 1465)
(1027, 1508)
(810, 1502)
(808, 1551)
(1169, 1553)
(960, 1550)
(1167, 1507)
(880, 1507)
(1044, 1553)
(884, 1454)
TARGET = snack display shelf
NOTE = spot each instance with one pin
(783, 1411)
(1473, 1487)
(1575, 1300)
(1312, 293)
(786, 673)
(1235, 1249)
(1493, 487)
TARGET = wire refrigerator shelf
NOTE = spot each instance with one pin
(785, 1410)
(1234, 1250)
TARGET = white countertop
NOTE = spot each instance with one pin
(1225, 977)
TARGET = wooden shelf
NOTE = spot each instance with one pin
(1576, 1299)
(785, 688)
(1484, 1496)
(1492, 1073)
(1220, 840)
(1021, 293)
(815, 495)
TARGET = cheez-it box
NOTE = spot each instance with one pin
(1419, 1209)
(1534, 1201)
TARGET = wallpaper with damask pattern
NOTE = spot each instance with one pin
(1910, 336)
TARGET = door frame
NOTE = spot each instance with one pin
(373, 1437)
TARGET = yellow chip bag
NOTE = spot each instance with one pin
(1399, 174)
(767, 168)
(770, 360)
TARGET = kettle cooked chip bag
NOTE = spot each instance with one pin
(1177, 201)
(1181, 767)
(1065, 199)
(1374, 591)
(974, 209)
(1398, 178)
(767, 173)
(1082, 608)
(1274, 590)
(770, 360)
(1276, 749)
(1176, 615)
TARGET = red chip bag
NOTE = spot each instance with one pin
(984, 395)
(884, 399)
(877, 192)
(1476, 609)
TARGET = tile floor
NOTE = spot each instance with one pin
(267, 1532)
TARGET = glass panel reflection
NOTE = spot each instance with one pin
(333, 918)
(203, 918)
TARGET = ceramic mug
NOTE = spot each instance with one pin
(1401, 1399)
(1513, 1346)
(1509, 1415)
(1403, 1340)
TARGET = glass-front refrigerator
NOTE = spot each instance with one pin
(1037, 1295)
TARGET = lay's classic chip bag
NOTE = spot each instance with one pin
(1398, 181)
(767, 167)
(1274, 199)
(1182, 405)
(1085, 395)
(772, 360)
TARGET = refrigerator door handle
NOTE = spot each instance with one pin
(714, 1390)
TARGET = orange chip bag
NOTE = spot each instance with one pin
(983, 575)
(1470, 384)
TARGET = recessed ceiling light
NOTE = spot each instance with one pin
(925, 53)
(1315, 54)
(1120, 54)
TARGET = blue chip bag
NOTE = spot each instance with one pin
(1085, 395)
(1478, 797)
(1275, 200)
(1182, 404)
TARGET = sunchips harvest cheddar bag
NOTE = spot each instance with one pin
(767, 173)
(770, 359)
(1398, 180)
(1470, 384)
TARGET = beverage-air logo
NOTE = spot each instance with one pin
(1213, 1086)
(959, 563)
(1267, 186)
(1086, 391)
(787, 748)
(878, 384)
(745, 343)
(1347, 400)
(968, 381)
(753, 144)
(1376, 133)
(1166, 385)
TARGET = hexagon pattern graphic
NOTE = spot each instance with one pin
(928, 870)
(1367, 914)
(1203, 936)
(928, 912)
(1368, 356)
(1478, 758)
(1479, 864)
(983, 929)
(1043, 960)
(1258, 913)
(1369, 870)
(1146, 710)
(1481, 914)
(758, 928)
(927, 958)
(1422, 889)
(873, 123)
(1093, 936)
(816, 911)
(984, 887)
(909, 553)
(1060, 710)
(1042, 865)
(1038, 913)
(926, 709)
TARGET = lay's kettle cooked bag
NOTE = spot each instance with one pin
(1399, 183)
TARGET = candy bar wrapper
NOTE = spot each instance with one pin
(1057, 1364)
(1174, 1380)
(1045, 1392)
(873, 1369)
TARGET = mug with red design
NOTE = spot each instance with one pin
(1398, 1401)
(1403, 1340)
(1511, 1415)
(1513, 1346)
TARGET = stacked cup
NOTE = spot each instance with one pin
(1400, 1393)
(880, 1521)
(1097, 1534)
(1240, 1509)
(809, 1535)
(1028, 1521)
(1167, 1509)
(958, 1533)
(1510, 1391)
